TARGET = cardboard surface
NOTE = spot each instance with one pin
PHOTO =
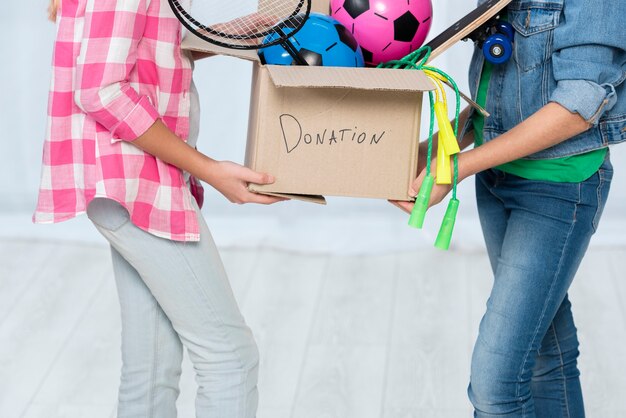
(192, 43)
(320, 6)
(334, 142)
(469, 100)
(319, 200)
(350, 78)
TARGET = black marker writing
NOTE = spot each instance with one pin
(293, 134)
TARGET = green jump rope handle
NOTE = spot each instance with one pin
(447, 226)
(421, 202)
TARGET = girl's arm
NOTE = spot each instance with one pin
(108, 53)
(228, 178)
(550, 125)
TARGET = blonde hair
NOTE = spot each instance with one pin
(52, 10)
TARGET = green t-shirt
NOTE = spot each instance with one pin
(572, 169)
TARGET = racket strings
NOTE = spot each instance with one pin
(240, 22)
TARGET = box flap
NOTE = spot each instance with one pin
(317, 77)
(320, 6)
(469, 101)
(352, 78)
(320, 200)
(193, 43)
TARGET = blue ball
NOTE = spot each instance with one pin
(322, 40)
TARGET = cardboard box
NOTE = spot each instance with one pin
(328, 131)
(336, 131)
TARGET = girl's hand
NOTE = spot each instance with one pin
(438, 193)
(439, 190)
(421, 166)
(232, 179)
(228, 178)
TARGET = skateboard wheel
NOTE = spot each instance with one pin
(506, 29)
(497, 49)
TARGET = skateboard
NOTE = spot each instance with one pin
(477, 25)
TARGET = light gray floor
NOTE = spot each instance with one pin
(340, 336)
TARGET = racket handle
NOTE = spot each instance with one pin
(291, 50)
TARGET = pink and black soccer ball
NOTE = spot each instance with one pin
(385, 29)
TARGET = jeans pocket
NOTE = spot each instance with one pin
(107, 214)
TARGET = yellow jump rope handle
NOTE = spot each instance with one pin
(446, 134)
(444, 169)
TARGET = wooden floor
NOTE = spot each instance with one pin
(339, 336)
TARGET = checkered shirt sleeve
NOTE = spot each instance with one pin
(117, 68)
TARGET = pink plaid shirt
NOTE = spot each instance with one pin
(117, 68)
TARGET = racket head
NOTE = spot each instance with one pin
(242, 24)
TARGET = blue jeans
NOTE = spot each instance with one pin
(174, 295)
(525, 358)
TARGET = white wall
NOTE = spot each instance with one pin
(224, 87)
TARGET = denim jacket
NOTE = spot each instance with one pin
(572, 52)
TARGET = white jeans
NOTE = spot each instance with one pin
(175, 294)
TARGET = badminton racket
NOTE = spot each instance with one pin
(245, 24)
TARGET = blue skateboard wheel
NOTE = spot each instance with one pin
(497, 48)
(506, 28)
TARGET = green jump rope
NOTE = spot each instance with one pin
(447, 144)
